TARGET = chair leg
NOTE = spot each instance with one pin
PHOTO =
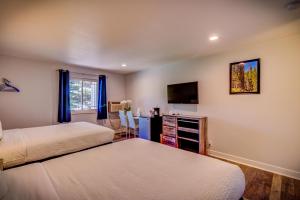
(136, 132)
(125, 131)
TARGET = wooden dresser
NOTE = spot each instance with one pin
(185, 132)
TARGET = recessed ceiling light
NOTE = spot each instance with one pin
(213, 37)
(124, 65)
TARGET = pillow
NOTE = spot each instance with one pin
(1, 132)
(3, 185)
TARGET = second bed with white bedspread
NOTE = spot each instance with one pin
(134, 169)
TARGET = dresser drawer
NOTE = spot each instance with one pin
(169, 121)
(171, 141)
(169, 130)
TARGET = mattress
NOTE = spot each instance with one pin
(19, 146)
(131, 170)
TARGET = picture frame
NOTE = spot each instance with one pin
(244, 77)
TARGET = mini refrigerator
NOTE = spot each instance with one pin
(150, 128)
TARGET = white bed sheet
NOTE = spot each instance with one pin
(31, 144)
(132, 170)
(30, 182)
(12, 148)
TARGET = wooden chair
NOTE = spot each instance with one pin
(113, 122)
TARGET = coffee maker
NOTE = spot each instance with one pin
(156, 112)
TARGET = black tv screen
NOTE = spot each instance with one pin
(183, 93)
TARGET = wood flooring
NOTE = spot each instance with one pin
(266, 185)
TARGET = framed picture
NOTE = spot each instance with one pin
(245, 77)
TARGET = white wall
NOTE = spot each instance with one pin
(261, 130)
(36, 104)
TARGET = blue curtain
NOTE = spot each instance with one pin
(64, 110)
(102, 106)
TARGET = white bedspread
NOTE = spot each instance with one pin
(12, 148)
(132, 170)
(30, 144)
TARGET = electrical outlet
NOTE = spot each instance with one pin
(210, 144)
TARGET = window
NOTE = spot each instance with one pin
(83, 95)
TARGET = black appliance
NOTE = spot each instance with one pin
(156, 112)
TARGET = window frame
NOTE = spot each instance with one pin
(90, 111)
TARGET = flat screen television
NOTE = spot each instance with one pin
(183, 93)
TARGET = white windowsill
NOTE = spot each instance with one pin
(84, 112)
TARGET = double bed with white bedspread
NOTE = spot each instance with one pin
(20, 146)
(134, 169)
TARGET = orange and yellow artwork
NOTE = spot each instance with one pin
(244, 77)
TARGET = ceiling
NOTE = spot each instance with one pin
(142, 34)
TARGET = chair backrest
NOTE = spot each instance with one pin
(123, 118)
(131, 121)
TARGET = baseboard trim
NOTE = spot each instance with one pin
(257, 164)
